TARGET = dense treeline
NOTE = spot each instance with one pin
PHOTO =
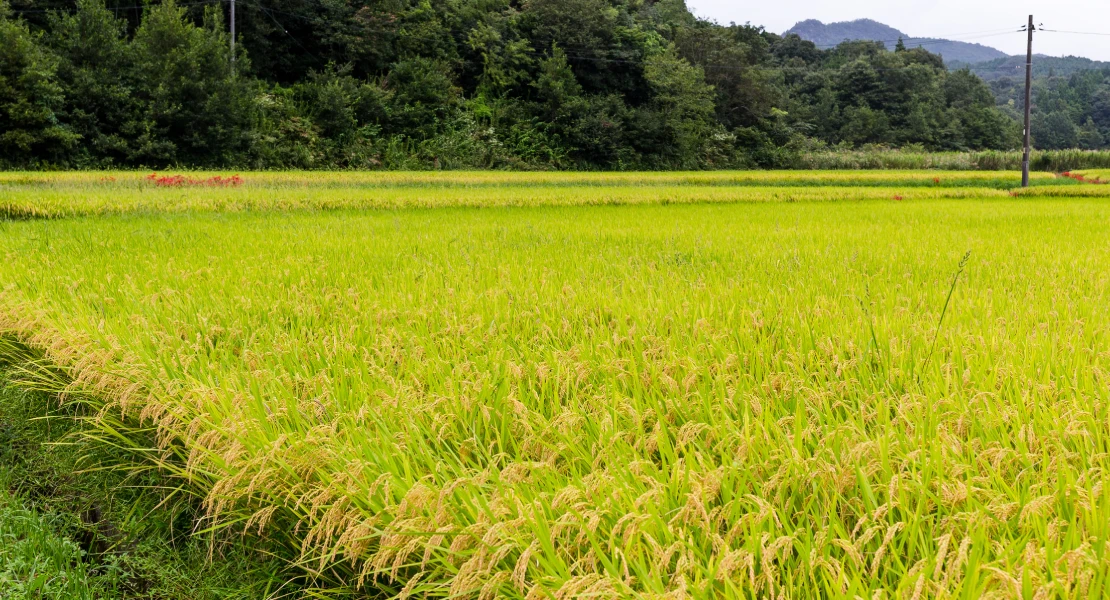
(1070, 111)
(613, 84)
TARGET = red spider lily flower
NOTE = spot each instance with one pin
(182, 181)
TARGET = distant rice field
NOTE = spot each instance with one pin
(38, 195)
(1096, 174)
(479, 385)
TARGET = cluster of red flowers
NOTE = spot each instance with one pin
(183, 181)
(1078, 177)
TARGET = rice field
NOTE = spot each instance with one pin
(386, 179)
(723, 385)
(1096, 174)
(31, 195)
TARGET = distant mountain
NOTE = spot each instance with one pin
(831, 34)
(1043, 66)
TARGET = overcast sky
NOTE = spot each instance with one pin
(963, 20)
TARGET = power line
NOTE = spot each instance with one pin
(610, 51)
(1076, 32)
(930, 41)
(620, 51)
(953, 37)
(589, 58)
(957, 35)
(606, 54)
(770, 69)
(285, 31)
(112, 8)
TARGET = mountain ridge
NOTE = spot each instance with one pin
(829, 35)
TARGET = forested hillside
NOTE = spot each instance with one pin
(1068, 111)
(591, 84)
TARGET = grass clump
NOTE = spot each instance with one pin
(83, 520)
(35, 563)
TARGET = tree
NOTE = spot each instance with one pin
(607, 57)
(555, 87)
(980, 125)
(1054, 131)
(93, 67)
(194, 110)
(30, 98)
(730, 58)
(1090, 137)
(684, 102)
(424, 94)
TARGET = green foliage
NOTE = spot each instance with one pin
(1071, 111)
(36, 563)
(192, 109)
(544, 84)
(94, 70)
(30, 98)
(1055, 130)
(870, 96)
(1052, 161)
(424, 96)
(731, 58)
(684, 103)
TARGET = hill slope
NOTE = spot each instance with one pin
(1043, 66)
(831, 34)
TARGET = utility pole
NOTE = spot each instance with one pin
(1028, 103)
(233, 38)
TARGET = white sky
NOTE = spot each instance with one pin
(962, 20)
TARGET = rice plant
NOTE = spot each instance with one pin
(533, 391)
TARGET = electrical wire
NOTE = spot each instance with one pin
(621, 60)
(1075, 32)
(612, 54)
(749, 69)
(932, 41)
(112, 8)
(285, 31)
(618, 55)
